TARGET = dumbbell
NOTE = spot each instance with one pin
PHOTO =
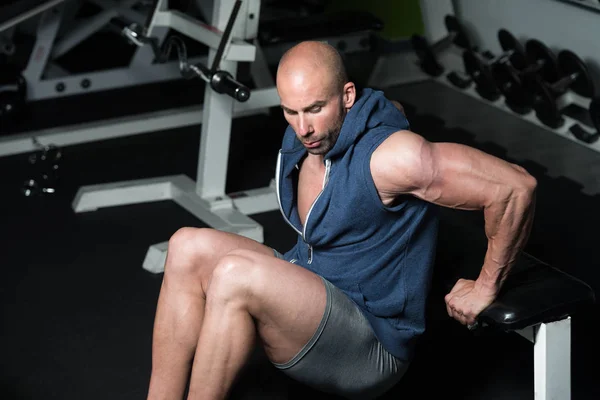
(478, 66)
(594, 113)
(575, 76)
(427, 53)
(515, 84)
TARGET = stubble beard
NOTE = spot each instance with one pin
(330, 139)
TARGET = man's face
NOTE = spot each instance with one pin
(315, 111)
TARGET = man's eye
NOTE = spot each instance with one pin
(315, 110)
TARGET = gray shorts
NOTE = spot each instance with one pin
(344, 357)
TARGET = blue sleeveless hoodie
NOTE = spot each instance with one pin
(381, 257)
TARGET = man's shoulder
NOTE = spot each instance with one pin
(402, 139)
(399, 142)
(399, 153)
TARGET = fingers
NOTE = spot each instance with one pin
(464, 319)
(455, 303)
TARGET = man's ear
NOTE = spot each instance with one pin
(349, 95)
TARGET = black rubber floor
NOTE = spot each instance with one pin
(77, 308)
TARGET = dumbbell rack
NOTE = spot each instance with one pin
(452, 61)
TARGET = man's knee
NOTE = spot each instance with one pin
(235, 277)
(187, 249)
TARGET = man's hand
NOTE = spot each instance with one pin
(465, 302)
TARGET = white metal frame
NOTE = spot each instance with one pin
(552, 358)
(43, 76)
(205, 198)
(130, 125)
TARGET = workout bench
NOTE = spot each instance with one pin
(536, 301)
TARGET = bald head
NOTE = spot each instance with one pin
(315, 94)
(313, 60)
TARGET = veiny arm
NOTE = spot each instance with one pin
(462, 177)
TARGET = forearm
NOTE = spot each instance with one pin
(508, 224)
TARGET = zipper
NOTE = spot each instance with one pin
(278, 193)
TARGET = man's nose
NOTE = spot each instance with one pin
(303, 125)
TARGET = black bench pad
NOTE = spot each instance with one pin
(533, 293)
(536, 292)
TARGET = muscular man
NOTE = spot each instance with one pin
(342, 309)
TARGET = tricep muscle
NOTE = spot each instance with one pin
(447, 174)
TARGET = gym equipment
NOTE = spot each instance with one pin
(479, 66)
(459, 79)
(57, 36)
(206, 198)
(46, 80)
(13, 92)
(515, 84)
(220, 81)
(580, 133)
(427, 53)
(576, 77)
(536, 301)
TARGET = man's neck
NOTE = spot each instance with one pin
(315, 160)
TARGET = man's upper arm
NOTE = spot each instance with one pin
(448, 174)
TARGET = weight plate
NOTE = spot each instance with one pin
(427, 59)
(454, 26)
(509, 43)
(538, 52)
(546, 108)
(517, 97)
(595, 112)
(569, 63)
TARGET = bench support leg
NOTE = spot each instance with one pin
(552, 359)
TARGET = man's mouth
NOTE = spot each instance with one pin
(311, 145)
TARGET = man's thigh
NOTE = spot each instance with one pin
(287, 301)
(344, 357)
